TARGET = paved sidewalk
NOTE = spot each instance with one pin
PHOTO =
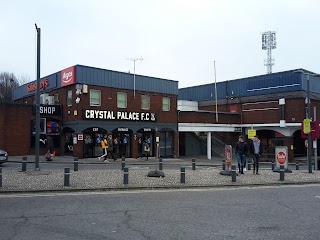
(207, 174)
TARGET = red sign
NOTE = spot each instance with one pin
(33, 86)
(315, 131)
(68, 76)
(80, 137)
(281, 157)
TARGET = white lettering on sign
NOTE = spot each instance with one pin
(47, 109)
(95, 129)
(111, 115)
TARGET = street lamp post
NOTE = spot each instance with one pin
(308, 115)
(37, 141)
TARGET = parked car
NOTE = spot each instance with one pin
(3, 156)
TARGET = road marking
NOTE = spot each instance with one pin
(117, 192)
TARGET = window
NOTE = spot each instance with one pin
(69, 98)
(56, 98)
(95, 97)
(121, 100)
(166, 104)
(145, 102)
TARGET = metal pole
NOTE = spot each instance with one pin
(0, 176)
(160, 164)
(316, 142)
(215, 91)
(281, 173)
(123, 163)
(134, 78)
(37, 139)
(24, 164)
(309, 135)
(75, 164)
(126, 175)
(182, 175)
(66, 177)
(233, 173)
(193, 164)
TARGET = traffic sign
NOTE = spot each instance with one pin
(306, 126)
(251, 133)
(281, 155)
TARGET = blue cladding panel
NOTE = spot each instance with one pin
(258, 85)
(108, 78)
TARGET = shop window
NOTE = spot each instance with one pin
(121, 100)
(56, 98)
(95, 97)
(166, 104)
(145, 102)
(69, 98)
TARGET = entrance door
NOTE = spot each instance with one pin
(166, 141)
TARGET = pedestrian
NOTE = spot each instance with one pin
(110, 148)
(241, 150)
(104, 146)
(145, 149)
(50, 150)
(256, 149)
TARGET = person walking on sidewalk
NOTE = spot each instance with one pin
(146, 149)
(241, 150)
(104, 145)
(256, 148)
(110, 148)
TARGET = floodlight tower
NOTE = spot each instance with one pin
(268, 43)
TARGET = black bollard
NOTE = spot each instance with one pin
(24, 164)
(273, 165)
(123, 163)
(233, 173)
(281, 173)
(223, 165)
(75, 164)
(160, 164)
(297, 165)
(249, 166)
(66, 177)
(125, 175)
(0, 177)
(182, 175)
(193, 164)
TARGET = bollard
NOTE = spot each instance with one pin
(281, 173)
(125, 175)
(75, 164)
(0, 177)
(297, 165)
(193, 164)
(160, 164)
(223, 165)
(66, 177)
(183, 175)
(249, 166)
(24, 164)
(273, 165)
(233, 173)
(123, 163)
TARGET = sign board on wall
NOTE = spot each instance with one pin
(68, 76)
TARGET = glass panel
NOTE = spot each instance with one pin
(69, 98)
(121, 100)
(145, 102)
(166, 104)
(95, 97)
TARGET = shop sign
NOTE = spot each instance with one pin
(33, 86)
(68, 76)
(147, 129)
(251, 133)
(95, 129)
(123, 129)
(118, 115)
(48, 110)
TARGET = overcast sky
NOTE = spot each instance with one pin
(178, 39)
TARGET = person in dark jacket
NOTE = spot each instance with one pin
(50, 149)
(110, 148)
(241, 150)
(256, 148)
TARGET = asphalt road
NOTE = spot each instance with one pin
(287, 212)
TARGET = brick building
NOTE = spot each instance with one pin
(272, 104)
(80, 104)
